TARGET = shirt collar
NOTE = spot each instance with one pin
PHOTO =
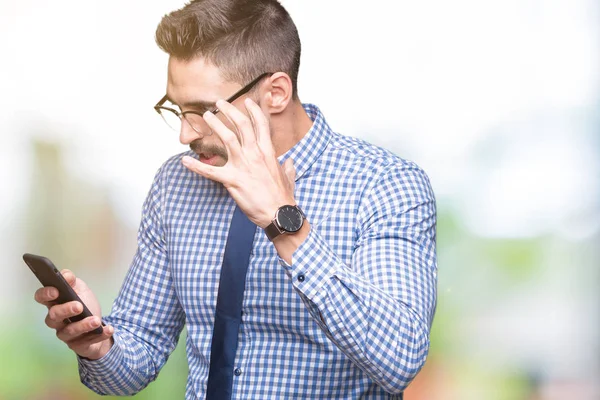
(307, 151)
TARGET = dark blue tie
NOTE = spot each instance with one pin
(229, 306)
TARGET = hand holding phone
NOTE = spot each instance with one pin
(73, 309)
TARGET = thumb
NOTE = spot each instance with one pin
(290, 170)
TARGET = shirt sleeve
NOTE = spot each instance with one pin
(146, 315)
(378, 310)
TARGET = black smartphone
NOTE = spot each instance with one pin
(49, 275)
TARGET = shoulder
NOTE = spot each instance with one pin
(175, 183)
(172, 170)
(380, 162)
(173, 167)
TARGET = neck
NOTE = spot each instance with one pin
(289, 127)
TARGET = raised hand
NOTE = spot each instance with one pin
(253, 176)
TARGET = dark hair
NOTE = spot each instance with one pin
(243, 38)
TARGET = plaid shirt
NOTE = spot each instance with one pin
(349, 318)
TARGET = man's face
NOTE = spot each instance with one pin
(196, 85)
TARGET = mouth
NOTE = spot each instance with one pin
(209, 153)
(207, 158)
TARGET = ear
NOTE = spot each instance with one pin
(278, 92)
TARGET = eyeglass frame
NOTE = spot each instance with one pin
(181, 114)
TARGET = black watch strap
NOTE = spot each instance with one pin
(272, 230)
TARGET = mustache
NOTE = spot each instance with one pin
(199, 147)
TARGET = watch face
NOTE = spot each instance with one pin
(289, 218)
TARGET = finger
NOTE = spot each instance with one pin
(76, 329)
(69, 277)
(261, 126)
(46, 295)
(229, 139)
(61, 312)
(86, 340)
(54, 324)
(219, 174)
(240, 121)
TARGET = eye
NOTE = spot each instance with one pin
(202, 110)
(174, 106)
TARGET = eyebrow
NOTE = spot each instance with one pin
(205, 105)
(197, 104)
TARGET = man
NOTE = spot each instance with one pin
(339, 293)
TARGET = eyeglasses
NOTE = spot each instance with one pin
(174, 118)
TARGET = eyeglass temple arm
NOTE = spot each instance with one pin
(245, 89)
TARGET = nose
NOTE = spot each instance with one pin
(187, 134)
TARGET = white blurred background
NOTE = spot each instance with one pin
(499, 101)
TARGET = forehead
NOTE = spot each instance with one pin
(194, 80)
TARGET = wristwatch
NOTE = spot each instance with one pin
(288, 219)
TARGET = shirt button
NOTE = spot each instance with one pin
(301, 278)
(237, 371)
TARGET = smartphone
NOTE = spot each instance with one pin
(49, 275)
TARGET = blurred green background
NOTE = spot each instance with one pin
(498, 101)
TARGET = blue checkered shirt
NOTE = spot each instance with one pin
(348, 319)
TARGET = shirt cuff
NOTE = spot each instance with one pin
(313, 265)
(102, 366)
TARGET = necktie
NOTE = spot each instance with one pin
(229, 306)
